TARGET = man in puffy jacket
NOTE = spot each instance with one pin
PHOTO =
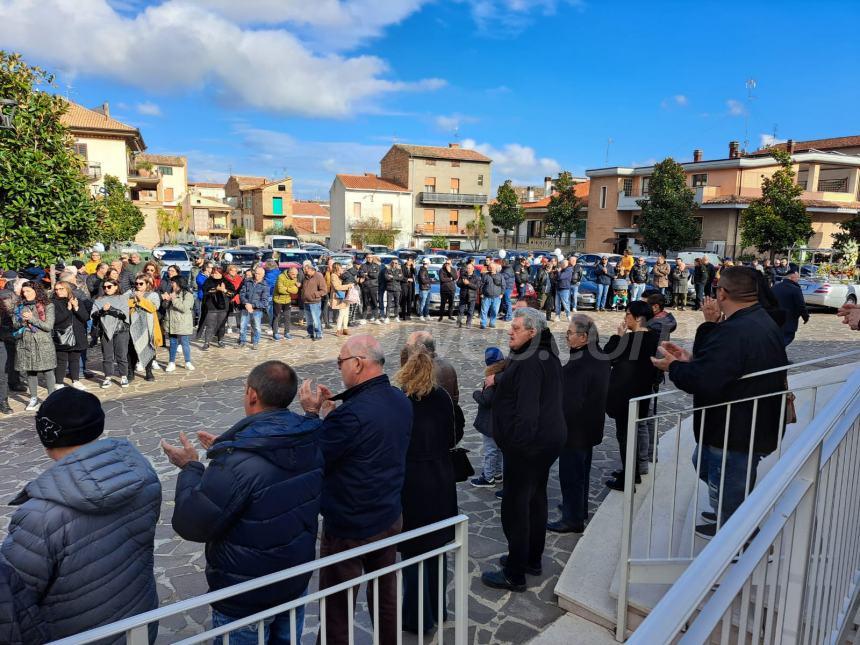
(256, 504)
(522, 276)
(424, 284)
(492, 287)
(469, 283)
(638, 279)
(254, 298)
(562, 292)
(368, 278)
(82, 540)
(509, 280)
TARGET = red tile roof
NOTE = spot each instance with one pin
(247, 183)
(204, 184)
(440, 152)
(370, 182)
(162, 160)
(77, 116)
(580, 189)
(819, 144)
(310, 208)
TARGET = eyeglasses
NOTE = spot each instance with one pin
(110, 286)
(150, 270)
(140, 284)
(341, 361)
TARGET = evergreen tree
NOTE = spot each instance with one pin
(506, 213)
(666, 222)
(120, 220)
(563, 215)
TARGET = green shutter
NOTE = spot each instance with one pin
(278, 205)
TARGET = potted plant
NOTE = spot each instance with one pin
(144, 168)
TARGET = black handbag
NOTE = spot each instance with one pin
(462, 467)
(65, 337)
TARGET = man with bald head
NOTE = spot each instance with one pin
(364, 443)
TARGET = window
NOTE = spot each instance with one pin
(603, 197)
(628, 186)
(246, 202)
(646, 182)
(277, 205)
(429, 220)
(455, 186)
(282, 188)
(429, 162)
(455, 164)
(454, 221)
(429, 184)
(356, 210)
(387, 212)
(634, 221)
(699, 223)
(700, 180)
(165, 170)
(480, 180)
(168, 194)
(81, 150)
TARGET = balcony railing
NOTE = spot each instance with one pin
(453, 199)
(833, 185)
(431, 229)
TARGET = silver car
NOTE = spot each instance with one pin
(826, 293)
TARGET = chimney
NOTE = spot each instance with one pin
(789, 146)
(370, 174)
(530, 194)
(453, 145)
(547, 186)
(697, 155)
(106, 109)
(734, 150)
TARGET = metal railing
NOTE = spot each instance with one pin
(458, 199)
(833, 185)
(135, 628)
(787, 568)
(665, 550)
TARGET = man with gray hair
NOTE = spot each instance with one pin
(529, 427)
(585, 383)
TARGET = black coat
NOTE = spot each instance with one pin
(586, 385)
(749, 341)
(369, 273)
(484, 417)
(469, 286)
(429, 489)
(447, 278)
(633, 374)
(214, 300)
(528, 417)
(392, 277)
(424, 280)
(604, 273)
(789, 295)
(63, 318)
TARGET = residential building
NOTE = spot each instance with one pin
(357, 199)
(531, 233)
(845, 145)
(446, 183)
(206, 216)
(259, 204)
(723, 189)
(207, 189)
(107, 145)
(157, 182)
(528, 194)
(311, 220)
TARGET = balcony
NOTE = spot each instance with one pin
(439, 229)
(144, 176)
(93, 171)
(452, 199)
(833, 185)
(628, 202)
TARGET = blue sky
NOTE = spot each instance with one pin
(308, 89)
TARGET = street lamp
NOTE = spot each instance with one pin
(8, 107)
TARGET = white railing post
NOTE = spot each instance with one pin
(461, 585)
(137, 635)
(630, 470)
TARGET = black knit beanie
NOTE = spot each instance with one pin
(69, 417)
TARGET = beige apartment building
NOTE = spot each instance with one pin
(259, 204)
(207, 217)
(723, 189)
(357, 199)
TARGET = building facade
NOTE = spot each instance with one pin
(259, 204)
(207, 189)
(311, 220)
(207, 217)
(532, 234)
(723, 188)
(357, 200)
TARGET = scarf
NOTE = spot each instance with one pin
(110, 324)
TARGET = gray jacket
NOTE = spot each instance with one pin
(179, 316)
(35, 351)
(82, 539)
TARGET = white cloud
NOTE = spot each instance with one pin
(148, 108)
(678, 100)
(515, 161)
(766, 140)
(452, 122)
(736, 108)
(270, 69)
(503, 17)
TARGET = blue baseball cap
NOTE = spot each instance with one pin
(493, 355)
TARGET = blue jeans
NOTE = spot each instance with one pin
(574, 476)
(314, 311)
(562, 301)
(277, 628)
(602, 293)
(636, 291)
(256, 320)
(574, 296)
(734, 486)
(424, 303)
(506, 300)
(492, 465)
(491, 306)
(185, 341)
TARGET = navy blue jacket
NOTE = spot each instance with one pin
(364, 443)
(508, 277)
(256, 294)
(492, 285)
(790, 298)
(564, 277)
(604, 273)
(255, 506)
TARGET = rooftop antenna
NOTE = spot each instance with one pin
(608, 144)
(750, 85)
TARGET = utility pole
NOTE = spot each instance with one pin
(750, 85)
(608, 144)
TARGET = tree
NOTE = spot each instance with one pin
(438, 242)
(506, 213)
(237, 233)
(168, 222)
(666, 222)
(477, 228)
(46, 209)
(120, 218)
(850, 233)
(778, 219)
(563, 214)
(372, 231)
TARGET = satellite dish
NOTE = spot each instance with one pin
(502, 254)
(228, 257)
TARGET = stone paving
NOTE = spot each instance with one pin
(211, 398)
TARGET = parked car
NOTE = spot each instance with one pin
(287, 258)
(434, 259)
(343, 259)
(386, 258)
(313, 246)
(403, 254)
(133, 247)
(177, 255)
(826, 293)
(210, 250)
(377, 249)
(453, 254)
(590, 259)
(240, 257)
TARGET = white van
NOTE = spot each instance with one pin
(689, 257)
(282, 242)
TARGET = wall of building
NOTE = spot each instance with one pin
(212, 193)
(601, 222)
(112, 154)
(148, 235)
(394, 166)
(372, 206)
(443, 171)
(175, 183)
(263, 209)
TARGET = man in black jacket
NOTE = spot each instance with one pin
(746, 341)
(368, 277)
(529, 427)
(469, 283)
(790, 297)
(586, 383)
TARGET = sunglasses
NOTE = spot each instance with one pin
(110, 286)
(140, 284)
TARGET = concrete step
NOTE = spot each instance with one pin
(572, 630)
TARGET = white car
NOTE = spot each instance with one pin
(434, 259)
(177, 255)
(826, 293)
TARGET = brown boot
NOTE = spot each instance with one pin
(345, 332)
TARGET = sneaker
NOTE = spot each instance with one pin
(229, 330)
(702, 530)
(362, 322)
(155, 366)
(123, 382)
(376, 321)
(59, 386)
(171, 367)
(498, 478)
(254, 346)
(287, 337)
(139, 369)
(277, 337)
(241, 344)
(78, 385)
(500, 493)
(189, 367)
(33, 404)
(710, 517)
(385, 321)
(105, 383)
(483, 482)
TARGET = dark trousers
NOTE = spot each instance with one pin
(115, 354)
(393, 304)
(14, 377)
(4, 374)
(621, 432)
(574, 476)
(214, 325)
(337, 616)
(524, 510)
(700, 295)
(282, 314)
(70, 361)
(371, 302)
(430, 583)
(407, 301)
(447, 300)
(468, 308)
(325, 309)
